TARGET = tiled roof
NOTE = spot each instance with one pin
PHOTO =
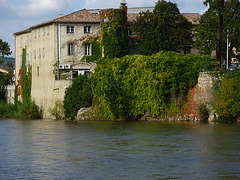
(133, 13)
(194, 18)
(92, 16)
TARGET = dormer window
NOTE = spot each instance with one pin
(70, 29)
(87, 29)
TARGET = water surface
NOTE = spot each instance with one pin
(49, 149)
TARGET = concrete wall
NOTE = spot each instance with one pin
(10, 93)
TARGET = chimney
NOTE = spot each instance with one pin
(60, 15)
(123, 3)
(123, 6)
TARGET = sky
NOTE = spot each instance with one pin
(17, 15)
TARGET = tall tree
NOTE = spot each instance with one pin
(4, 50)
(222, 18)
(114, 33)
(164, 29)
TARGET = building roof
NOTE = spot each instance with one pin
(2, 70)
(93, 16)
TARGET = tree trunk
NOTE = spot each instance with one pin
(219, 33)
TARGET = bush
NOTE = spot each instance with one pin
(227, 96)
(28, 110)
(58, 110)
(78, 95)
(129, 87)
(203, 112)
(7, 110)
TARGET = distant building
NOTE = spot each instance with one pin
(57, 46)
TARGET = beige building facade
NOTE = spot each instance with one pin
(55, 49)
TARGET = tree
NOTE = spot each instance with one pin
(5, 79)
(164, 29)
(4, 50)
(78, 95)
(114, 33)
(222, 18)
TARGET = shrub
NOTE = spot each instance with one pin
(227, 96)
(28, 110)
(7, 110)
(203, 112)
(58, 110)
(133, 85)
(78, 95)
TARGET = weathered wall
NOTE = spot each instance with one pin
(202, 93)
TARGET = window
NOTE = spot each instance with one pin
(39, 32)
(21, 42)
(37, 70)
(30, 40)
(70, 29)
(30, 59)
(27, 59)
(27, 41)
(35, 54)
(39, 52)
(71, 49)
(87, 49)
(43, 31)
(87, 29)
(35, 33)
(43, 52)
(48, 32)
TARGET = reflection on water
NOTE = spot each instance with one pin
(47, 149)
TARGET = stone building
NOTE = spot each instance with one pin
(55, 48)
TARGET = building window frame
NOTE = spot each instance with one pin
(70, 29)
(71, 49)
(88, 49)
(87, 29)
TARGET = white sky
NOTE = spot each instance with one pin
(17, 15)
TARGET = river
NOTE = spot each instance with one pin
(49, 149)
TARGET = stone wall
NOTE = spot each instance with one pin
(201, 93)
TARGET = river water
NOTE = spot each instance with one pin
(49, 149)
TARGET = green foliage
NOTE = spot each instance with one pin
(220, 19)
(130, 86)
(96, 50)
(58, 110)
(28, 110)
(78, 95)
(164, 29)
(20, 110)
(4, 50)
(203, 112)
(227, 96)
(114, 33)
(25, 79)
(5, 79)
(7, 110)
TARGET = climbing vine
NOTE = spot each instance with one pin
(96, 50)
(130, 86)
(114, 33)
(25, 80)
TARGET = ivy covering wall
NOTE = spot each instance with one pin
(130, 86)
(114, 33)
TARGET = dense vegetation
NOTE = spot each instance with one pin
(4, 50)
(227, 95)
(164, 29)
(78, 95)
(25, 109)
(130, 86)
(114, 33)
(222, 19)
